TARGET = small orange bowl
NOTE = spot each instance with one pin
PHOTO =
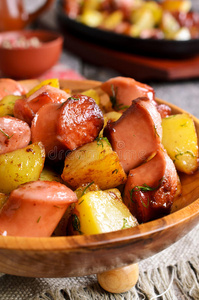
(30, 60)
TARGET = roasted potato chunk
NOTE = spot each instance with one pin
(96, 162)
(180, 141)
(20, 166)
(7, 105)
(93, 94)
(49, 174)
(101, 211)
(52, 82)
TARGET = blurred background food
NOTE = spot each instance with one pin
(165, 19)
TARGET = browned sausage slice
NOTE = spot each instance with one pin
(136, 135)
(151, 188)
(80, 121)
(67, 126)
(35, 208)
(123, 90)
(10, 87)
(14, 134)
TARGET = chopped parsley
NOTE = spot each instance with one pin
(76, 223)
(146, 205)
(8, 137)
(113, 99)
(144, 188)
(73, 98)
(38, 219)
(125, 224)
(100, 141)
(84, 191)
(183, 153)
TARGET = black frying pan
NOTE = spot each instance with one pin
(147, 47)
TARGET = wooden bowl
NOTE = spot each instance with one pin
(31, 62)
(83, 255)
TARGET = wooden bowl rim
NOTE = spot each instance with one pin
(86, 242)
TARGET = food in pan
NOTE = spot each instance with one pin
(164, 19)
(74, 163)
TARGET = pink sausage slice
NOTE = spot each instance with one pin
(10, 87)
(14, 134)
(151, 188)
(137, 135)
(46, 94)
(25, 109)
(66, 126)
(123, 90)
(44, 128)
(35, 208)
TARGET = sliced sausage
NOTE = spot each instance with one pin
(35, 208)
(67, 126)
(10, 87)
(164, 110)
(137, 134)
(44, 129)
(123, 90)
(151, 188)
(80, 121)
(46, 94)
(25, 109)
(14, 134)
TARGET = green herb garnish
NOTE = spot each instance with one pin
(8, 137)
(86, 188)
(146, 205)
(156, 133)
(113, 99)
(76, 223)
(38, 219)
(125, 224)
(100, 141)
(73, 98)
(144, 188)
(183, 153)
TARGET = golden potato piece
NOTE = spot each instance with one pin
(112, 116)
(20, 166)
(99, 211)
(176, 5)
(52, 82)
(49, 174)
(96, 162)
(180, 141)
(7, 105)
(113, 19)
(93, 94)
(91, 17)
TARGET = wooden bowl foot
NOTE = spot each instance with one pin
(119, 280)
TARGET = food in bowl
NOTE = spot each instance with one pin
(90, 168)
(28, 53)
(21, 43)
(166, 19)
